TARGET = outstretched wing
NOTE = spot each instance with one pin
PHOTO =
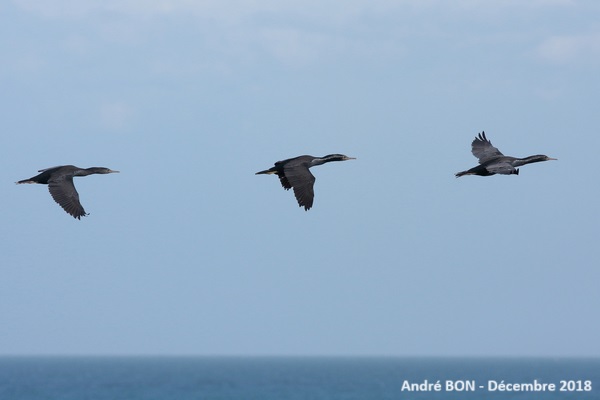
(482, 149)
(284, 181)
(52, 169)
(301, 179)
(63, 192)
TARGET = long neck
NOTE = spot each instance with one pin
(326, 159)
(86, 171)
(528, 160)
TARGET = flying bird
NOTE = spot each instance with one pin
(60, 184)
(294, 173)
(492, 161)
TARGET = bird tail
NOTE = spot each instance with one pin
(266, 171)
(516, 171)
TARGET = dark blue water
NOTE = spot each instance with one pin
(282, 378)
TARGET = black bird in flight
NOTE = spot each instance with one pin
(60, 184)
(492, 161)
(294, 173)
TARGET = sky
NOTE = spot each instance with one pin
(187, 252)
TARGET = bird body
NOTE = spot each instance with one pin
(60, 184)
(492, 161)
(294, 173)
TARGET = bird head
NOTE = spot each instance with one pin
(102, 170)
(537, 158)
(337, 157)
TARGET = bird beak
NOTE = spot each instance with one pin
(349, 158)
(110, 171)
(550, 158)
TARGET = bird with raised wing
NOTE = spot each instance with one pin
(492, 161)
(60, 184)
(294, 174)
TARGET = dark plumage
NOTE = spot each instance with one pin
(492, 161)
(294, 173)
(60, 184)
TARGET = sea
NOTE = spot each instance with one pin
(302, 378)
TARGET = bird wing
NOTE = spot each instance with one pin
(302, 180)
(503, 168)
(482, 149)
(284, 181)
(64, 193)
(51, 169)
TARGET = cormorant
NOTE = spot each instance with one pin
(60, 184)
(492, 161)
(294, 173)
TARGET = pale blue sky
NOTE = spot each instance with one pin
(186, 251)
